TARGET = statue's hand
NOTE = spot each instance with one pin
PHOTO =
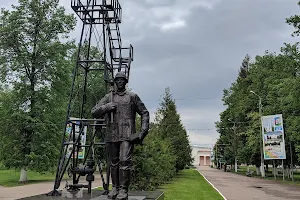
(135, 138)
(111, 106)
(138, 138)
(142, 135)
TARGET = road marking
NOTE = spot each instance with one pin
(212, 185)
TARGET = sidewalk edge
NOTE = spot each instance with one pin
(211, 184)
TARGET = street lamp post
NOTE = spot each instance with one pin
(216, 156)
(261, 139)
(235, 145)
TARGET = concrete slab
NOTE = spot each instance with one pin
(98, 195)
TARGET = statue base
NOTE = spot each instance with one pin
(98, 195)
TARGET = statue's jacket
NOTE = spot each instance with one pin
(123, 125)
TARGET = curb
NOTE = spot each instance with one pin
(212, 185)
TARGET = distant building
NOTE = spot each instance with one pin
(202, 155)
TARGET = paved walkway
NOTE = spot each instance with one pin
(232, 187)
(238, 187)
(11, 193)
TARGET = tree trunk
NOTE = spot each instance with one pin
(257, 170)
(23, 175)
(275, 170)
(248, 168)
(288, 172)
(235, 164)
(283, 172)
(291, 173)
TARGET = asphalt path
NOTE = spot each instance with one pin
(238, 187)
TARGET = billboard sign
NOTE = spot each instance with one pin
(273, 137)
(69, 135)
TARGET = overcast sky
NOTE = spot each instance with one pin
(196, 47)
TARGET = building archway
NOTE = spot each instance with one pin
(201, 155)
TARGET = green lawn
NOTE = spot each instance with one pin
(190, 185)
(10, 178)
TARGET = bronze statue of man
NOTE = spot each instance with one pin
(121, 132)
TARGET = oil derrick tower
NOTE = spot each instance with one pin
(100, 55)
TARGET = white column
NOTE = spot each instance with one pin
(200, 161)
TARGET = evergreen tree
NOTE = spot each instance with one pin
(166, 148)
(171, 128)
(154, 163)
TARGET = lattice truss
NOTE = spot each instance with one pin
(100, 55)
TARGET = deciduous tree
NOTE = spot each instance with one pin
(35, 66)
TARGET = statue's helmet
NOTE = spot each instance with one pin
(121, 75)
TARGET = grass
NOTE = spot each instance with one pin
(10, 178)
(189, 184)
(101, 188)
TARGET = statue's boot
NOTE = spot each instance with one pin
(123, 194)
(113, 193)
(115, 183)
(124, 184)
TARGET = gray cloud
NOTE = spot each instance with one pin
(196, 47)
(202, 56)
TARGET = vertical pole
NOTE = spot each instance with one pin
(235, 167)
(235, 149)
(63, 150)
(217, 156)
(216, 161)
(106, 77)
(86, 70)
(282, 170)
(74, 151)
(274, 169)
(292, 167)
(261, 140)
(111, 100)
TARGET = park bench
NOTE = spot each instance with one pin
(249, 173)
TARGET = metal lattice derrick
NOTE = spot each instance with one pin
(91, 63)
(121, 57)
(96, 11)
(99, 63)
(100, 54)
(126, 58)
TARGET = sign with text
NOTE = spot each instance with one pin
(273, 137)
(78, 132)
